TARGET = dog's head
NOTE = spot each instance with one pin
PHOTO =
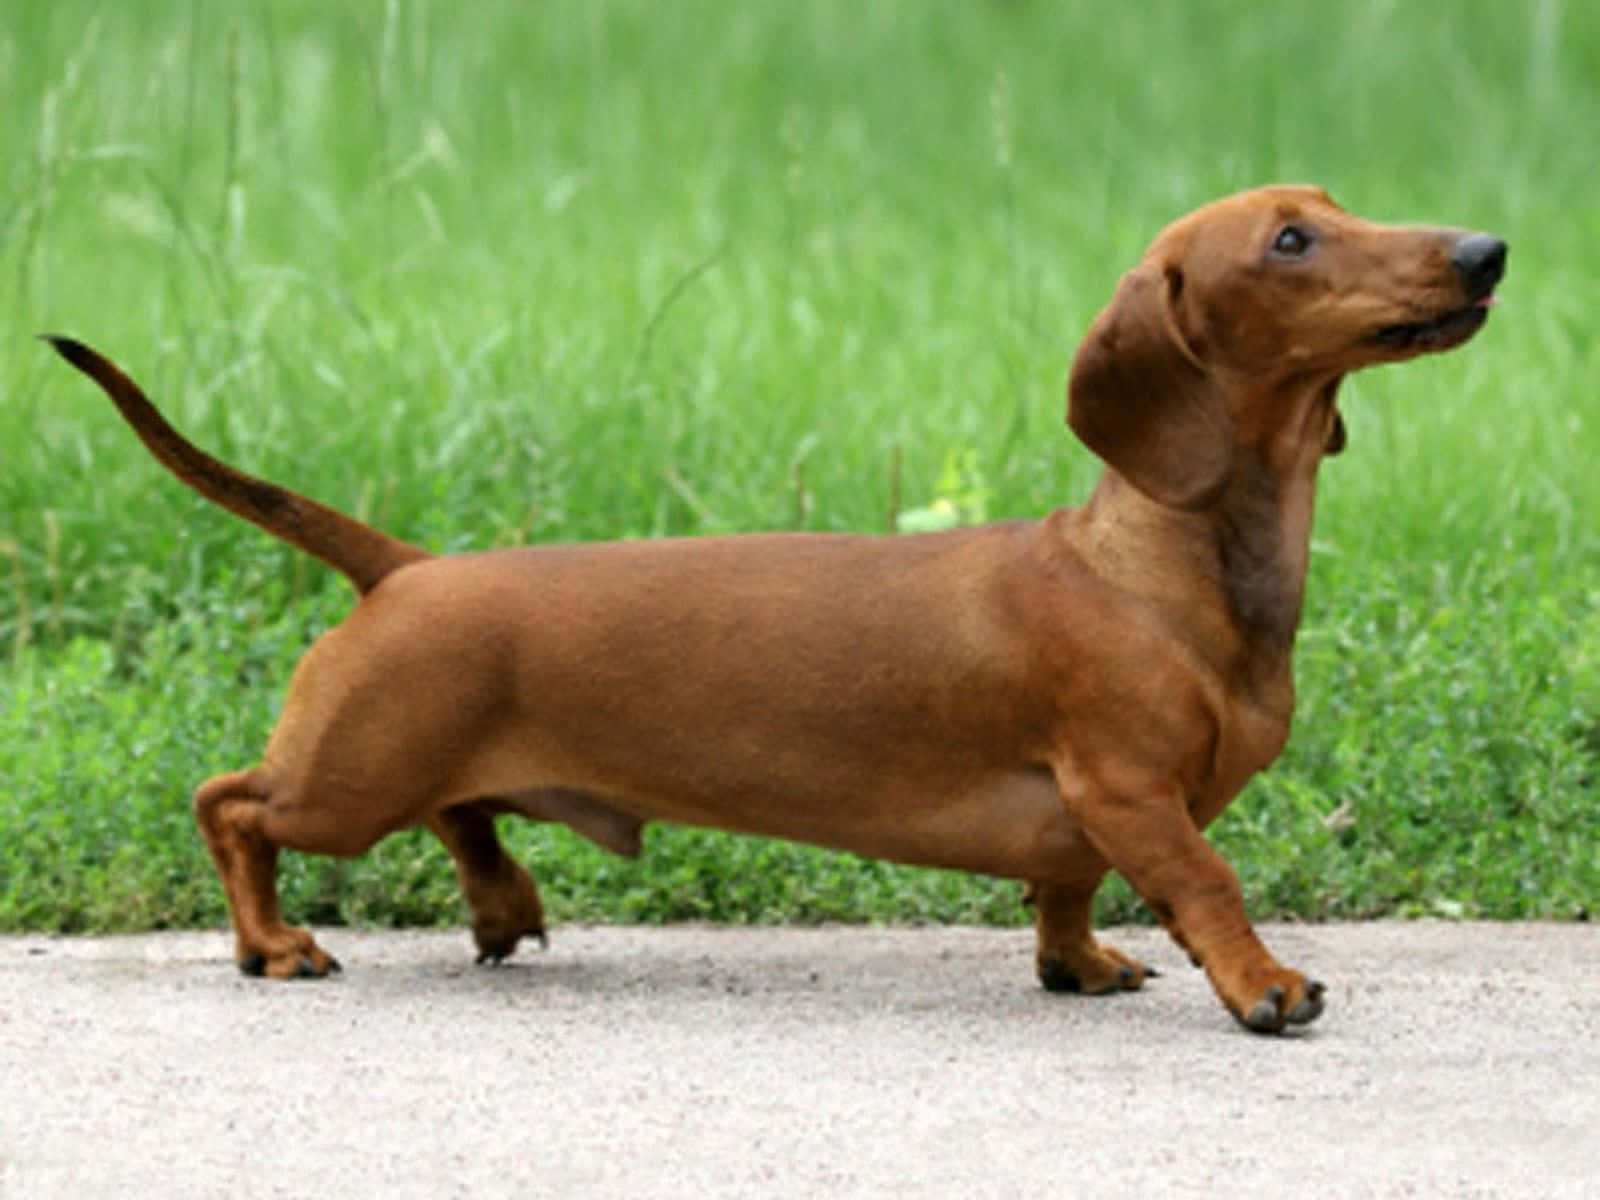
(1268, 293)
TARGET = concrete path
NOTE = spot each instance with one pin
(1454, 1060)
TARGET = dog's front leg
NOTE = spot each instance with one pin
(1154, 844)
(1069, 958)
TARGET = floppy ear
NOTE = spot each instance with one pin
(1140, 398)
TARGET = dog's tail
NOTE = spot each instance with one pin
(363, 554)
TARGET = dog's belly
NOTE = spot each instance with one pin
(1010, 824)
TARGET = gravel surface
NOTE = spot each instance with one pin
(1454, 1060)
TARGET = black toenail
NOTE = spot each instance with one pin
(1055, 977)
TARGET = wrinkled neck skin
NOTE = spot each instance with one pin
(1247, 551)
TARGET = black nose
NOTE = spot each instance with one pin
(1480, 260)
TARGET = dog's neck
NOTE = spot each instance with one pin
(1251, 546)
(1260, 535)
(1249, 549)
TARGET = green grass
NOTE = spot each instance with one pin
(512, 272)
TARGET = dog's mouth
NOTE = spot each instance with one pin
(1441, 333)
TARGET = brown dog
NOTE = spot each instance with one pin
(1041, 701)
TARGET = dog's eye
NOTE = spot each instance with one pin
(1291, 242)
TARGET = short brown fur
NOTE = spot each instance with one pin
(1043, 701)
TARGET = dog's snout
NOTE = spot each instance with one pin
(1479, 260)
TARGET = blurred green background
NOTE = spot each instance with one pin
(510, 272)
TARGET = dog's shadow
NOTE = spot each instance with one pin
(861, 976)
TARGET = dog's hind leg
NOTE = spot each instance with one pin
(233, 811)
(504, 901)
(1069, 957)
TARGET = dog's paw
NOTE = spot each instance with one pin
(1096, 970)
(1297, 1001)
(283, 952)
(309, 961)
(495, 946)
(504, 911)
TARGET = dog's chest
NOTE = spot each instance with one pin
(1253, 732)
